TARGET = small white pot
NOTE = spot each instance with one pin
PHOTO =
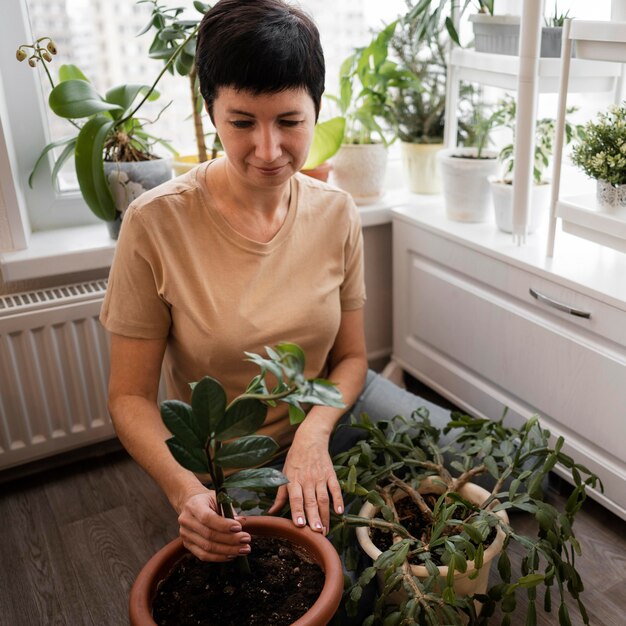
(360, 170)
(610, 196)
(503, 205)
(421, 170)
(463, 584)
(465, 179)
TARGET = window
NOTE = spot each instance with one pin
(89, 34)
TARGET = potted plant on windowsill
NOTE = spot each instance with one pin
(502, 188)
(210, 437)
(465, 171)
(601, 156)
(366, 78)
(438, 533)
(113, 154)
(327, 139)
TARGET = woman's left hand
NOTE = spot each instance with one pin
(311, 475)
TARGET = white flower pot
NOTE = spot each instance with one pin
(360, 170)
(463, 585)
(421, 170)
(465, 181)
(610, 196)
(503, 205)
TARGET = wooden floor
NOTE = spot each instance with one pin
(74, 538)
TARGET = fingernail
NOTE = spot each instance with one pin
(230, 557)
(318, 525)
(340, 510)
(235, 529)
(300, 521)
(245, 539)
(244, 550)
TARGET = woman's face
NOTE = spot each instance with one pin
(266, 137)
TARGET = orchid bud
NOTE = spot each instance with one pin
(52, 49)
(32, 62)
(46, 56)
(20, 55)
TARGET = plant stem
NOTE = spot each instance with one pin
(197, 118)
(375, 522)
(158, 78)
(415, 496)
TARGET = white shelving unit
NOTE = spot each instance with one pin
(528, 75)
(596, 43)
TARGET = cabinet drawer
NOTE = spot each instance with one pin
(607, 322)
(561, 372)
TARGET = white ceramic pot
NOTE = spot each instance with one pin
(360, 170)
(610, 196)
(463, 585)
(465, 182)
(421, 170)
(503, 205)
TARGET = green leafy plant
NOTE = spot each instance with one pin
(556, 20)
(401, 456)
(107, 126)
(171, 32)
(367, 78)
(544, 140)
(327, 139)
(212, 435)
(602, 152)
(486, 6)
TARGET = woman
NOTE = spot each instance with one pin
(241, 253)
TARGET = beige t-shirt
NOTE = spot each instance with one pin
(180, 271)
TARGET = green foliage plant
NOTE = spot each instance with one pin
(556, 19)
(544, 140)
(367, 78)
(398, 455)
(602, 152)
(107, 126)
(170, 32)
(211, 435)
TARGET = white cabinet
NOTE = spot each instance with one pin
(466, 323)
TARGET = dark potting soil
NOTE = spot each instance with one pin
(415, 522)
(284, 584)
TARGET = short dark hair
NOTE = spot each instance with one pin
(262, 46)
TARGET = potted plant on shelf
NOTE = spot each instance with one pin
(366, 78)
(171, 32)
(601, 155)
(210, 437)
(465, 171)
(503, 188)
(433, 534)
(499, 34)
(113, 154)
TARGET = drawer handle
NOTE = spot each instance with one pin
(558, 305)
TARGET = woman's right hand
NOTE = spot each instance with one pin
(208, 535)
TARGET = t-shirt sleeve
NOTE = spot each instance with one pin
(353, 287)
(133, 305)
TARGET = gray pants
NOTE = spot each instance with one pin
(381, 399)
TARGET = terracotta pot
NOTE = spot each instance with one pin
(318, 547)
(320, 172)
(463, 586)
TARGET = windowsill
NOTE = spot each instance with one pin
(71, 250)
(57, 252)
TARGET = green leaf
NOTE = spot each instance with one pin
(76, 98)
(264, 477)
(504, 567)
(296, 414)
(179, 419)
(531, 580)
(67, 152)
(124, 95)
(208, 401)
(241, 418)
(90, 169)
(194, 459)
(327, 139)
(71, 72)
(246, 451)
(44, 152)
(564, 619)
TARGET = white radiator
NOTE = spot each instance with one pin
(54, 363)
